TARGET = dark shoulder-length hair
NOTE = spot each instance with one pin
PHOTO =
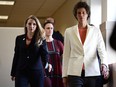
(79, 5)
(39, 34)
(48, 22)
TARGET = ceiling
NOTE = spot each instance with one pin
(23, 8)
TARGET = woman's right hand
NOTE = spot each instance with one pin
(12, 78)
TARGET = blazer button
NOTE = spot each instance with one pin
(27, 57)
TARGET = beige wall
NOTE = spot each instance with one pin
(7, 41)
(64, 16)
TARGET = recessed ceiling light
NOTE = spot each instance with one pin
(4, 17)
(6, 2)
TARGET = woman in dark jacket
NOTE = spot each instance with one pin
(30, 55)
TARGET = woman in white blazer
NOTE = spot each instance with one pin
(81, 43)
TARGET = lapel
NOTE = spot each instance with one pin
(76, 35)
(23, 41)
(88, 35)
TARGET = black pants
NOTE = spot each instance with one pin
(31, 78)
(82, 81)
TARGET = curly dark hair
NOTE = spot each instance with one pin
(79, 5)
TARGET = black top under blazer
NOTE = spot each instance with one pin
(31, 57)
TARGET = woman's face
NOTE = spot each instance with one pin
(31, 26)
(49, 29)
(82, 15)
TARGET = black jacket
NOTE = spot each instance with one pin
(32, 57)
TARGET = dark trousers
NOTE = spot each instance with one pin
(31, 78)
(82, 81)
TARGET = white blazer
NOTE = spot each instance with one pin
(75, 54)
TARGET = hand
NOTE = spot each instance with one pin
(105, 71)
(65, 81)
(12, 78)
(49, 68)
